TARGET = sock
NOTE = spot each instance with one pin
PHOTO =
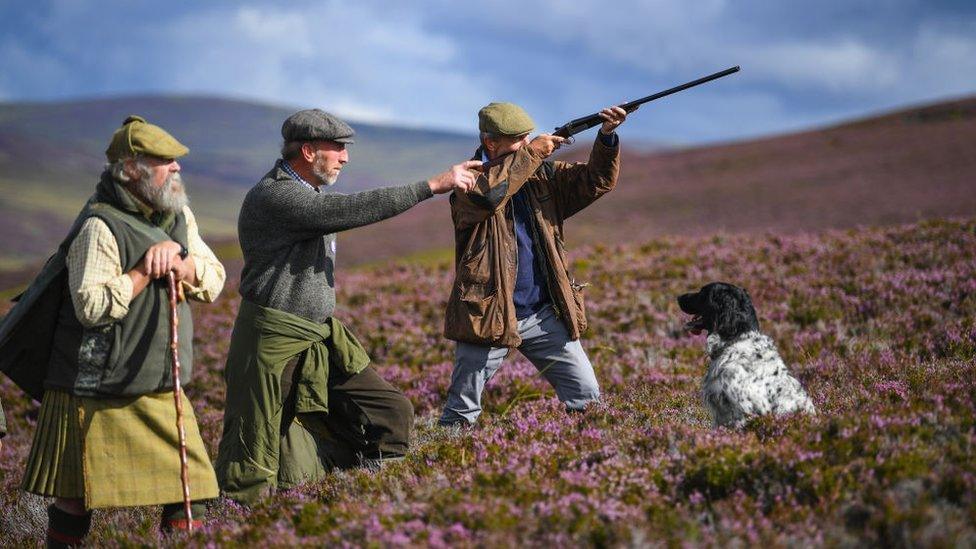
(65, 529)
(174, 518)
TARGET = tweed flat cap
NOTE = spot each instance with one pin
(136, 136)
(504, 119)
(316, 124)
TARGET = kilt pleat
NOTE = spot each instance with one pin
(54, 466)
(117, 452)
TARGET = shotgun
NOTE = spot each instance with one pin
(573, 127)
(577, 125)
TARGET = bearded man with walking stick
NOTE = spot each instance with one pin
(91, 339)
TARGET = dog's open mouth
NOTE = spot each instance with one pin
(696, 325)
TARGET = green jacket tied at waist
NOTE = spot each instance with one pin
(263, 342)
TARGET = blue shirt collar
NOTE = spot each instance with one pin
(284, 165)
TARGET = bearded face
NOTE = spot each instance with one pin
(157, 183)
(326, 167)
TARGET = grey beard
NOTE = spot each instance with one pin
(322, 175)
(170, 197)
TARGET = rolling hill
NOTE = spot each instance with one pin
(889, 169)
(897, 167)
(51, 154)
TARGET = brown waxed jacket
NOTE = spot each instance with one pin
(481, 308)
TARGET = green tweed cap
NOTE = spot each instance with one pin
(504, 119)
(136, 136)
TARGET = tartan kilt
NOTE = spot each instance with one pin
(117, 452)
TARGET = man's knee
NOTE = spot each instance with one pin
(403, 408)
(398, 423)
(585, 393)
(591, 388)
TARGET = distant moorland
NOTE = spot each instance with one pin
(899, 167)
(51, 155)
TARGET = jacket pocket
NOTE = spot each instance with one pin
(94, 353)
(482, 311)
(477, 298)
(474, 267)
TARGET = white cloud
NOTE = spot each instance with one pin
(362, 62)
(21, 67)
(375, 63)
(435, 62)
(944, 59)
(836, 66)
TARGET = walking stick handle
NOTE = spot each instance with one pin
(174, 340)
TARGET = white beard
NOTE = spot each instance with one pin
(170, 197)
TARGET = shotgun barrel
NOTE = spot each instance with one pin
(584, 123)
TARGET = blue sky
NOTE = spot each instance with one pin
(433, 63)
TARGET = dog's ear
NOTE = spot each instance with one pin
(736, 315)
(748, 310)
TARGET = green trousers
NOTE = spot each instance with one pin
(300, 402)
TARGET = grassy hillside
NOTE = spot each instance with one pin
(878, 324)
(897, 168)
(51, 155)
(889, 169)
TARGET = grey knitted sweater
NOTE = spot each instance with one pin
(288, 235)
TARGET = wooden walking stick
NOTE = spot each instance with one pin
(174, 324)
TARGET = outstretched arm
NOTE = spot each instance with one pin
(308, 214)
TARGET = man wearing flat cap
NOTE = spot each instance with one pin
(512, 287)
(90, 340)
(301, 396)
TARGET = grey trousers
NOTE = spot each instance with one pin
(546, 343)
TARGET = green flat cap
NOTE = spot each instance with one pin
(136, 136)
(315, 125)
(504, 119)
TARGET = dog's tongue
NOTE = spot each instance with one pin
(694, 325)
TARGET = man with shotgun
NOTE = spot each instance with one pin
(91, 339)
(512, 287)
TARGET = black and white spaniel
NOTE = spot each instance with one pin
(746, 376)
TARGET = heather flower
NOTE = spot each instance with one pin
(878, 324)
